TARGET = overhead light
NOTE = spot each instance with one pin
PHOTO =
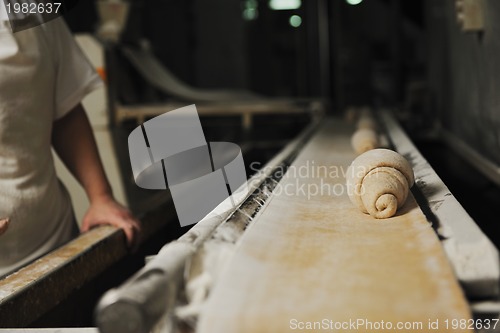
(251, 11)
(285, 4)
(250, 14)
(354, 2)
(295, 21)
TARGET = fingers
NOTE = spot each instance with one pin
(112, 213)
(84, 227)
(4, 224)
(132, 229)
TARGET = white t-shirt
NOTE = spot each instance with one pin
(43, 75)
(3, 12)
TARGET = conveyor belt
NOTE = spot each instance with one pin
(312, 256)
(161, 78)
(210, 102)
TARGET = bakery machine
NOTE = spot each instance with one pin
(295, 253)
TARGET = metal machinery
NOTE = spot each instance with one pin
(275, 260)
(155, 298)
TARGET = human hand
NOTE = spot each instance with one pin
(109, 212)
(4, 224)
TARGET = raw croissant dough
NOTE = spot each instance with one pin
(378, 182)
(366, 136)
(364, 140)
(366, 120)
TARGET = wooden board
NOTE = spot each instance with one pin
(312, 260)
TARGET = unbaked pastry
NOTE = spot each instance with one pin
(366, 120)
(378, 182)
(364, 139)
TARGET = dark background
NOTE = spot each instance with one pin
(409, 55)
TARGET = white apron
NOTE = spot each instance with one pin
(37, 86)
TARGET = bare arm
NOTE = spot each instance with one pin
(74, 142)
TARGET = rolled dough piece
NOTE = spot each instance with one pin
(364, 140)
(366, 120)
(351, 114)
(378, 182)
(4, 224)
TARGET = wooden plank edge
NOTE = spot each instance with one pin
(30, 292)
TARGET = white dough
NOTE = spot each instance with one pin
(378, 182)
(364, 140)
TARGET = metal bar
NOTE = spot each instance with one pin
(481, 163)
(315, 108)
(472, 255)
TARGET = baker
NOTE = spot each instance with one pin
(43, 78)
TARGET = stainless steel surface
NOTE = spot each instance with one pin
(466, 151)
(473, 256)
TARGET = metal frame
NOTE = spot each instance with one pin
(484, 165)
(473, 256)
